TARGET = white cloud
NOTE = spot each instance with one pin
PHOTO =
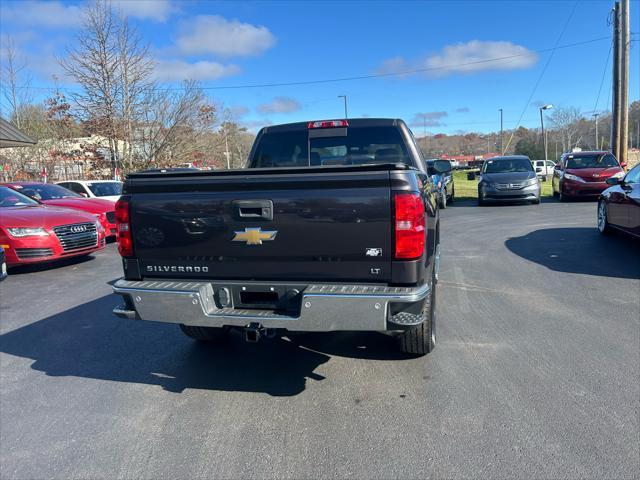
(428, 119)
(477, 55)
(280, 105)
(178, 70)
(213, 34)
(45, 14)
(156, 10)
(55, 14)
(238, 111)
(465, 58)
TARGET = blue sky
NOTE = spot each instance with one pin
(226, 44)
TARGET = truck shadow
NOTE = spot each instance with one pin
(88, 341)
(579, 250)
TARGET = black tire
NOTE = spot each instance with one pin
(205, 334)
(421, 339)
(453, 195)
(561, 196)
(443, 199)
(603, 223)
(536, 201)
(481, 202)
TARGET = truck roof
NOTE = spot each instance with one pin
(353, 122)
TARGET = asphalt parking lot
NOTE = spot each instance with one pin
(536, 373)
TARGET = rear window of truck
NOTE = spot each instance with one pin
(361, 146)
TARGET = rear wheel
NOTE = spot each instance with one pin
(421, 339)
(603, 221)
(205, 334)
(453, 194)
(561, 197)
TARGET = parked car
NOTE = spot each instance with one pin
(543, 168)
(31, 232)
(440, 172)
(584, 174)
(105, 189)
(508, 179)
(51, 194)
(619, 205)
(3, 264)
(333, 226)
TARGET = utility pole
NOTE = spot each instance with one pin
(544, 139)
(226, 149)
(616, 84)
(501, 133)
(595, 115)
(624, 80)
(344, 97)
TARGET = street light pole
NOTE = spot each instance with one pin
(344, 97)
(595, 115)
(544, 139)
(501, 134)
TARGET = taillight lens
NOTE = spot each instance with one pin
(123, 228)
(409, 225)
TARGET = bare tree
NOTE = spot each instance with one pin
(566, 122)
(15, 81)
(113, 68)
(175, 122)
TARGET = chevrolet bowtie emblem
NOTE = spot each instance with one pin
(254, 236)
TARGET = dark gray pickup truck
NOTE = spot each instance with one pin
(332, 226)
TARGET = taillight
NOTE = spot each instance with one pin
(409, 225)
(328, 124)
(123, 228)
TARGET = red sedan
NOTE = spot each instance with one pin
(584, 174)
(58, 196)
(31, 232)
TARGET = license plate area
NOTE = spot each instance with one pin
(279, 298)
(259, 298)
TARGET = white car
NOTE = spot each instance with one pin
(543, 168)
(105, 189)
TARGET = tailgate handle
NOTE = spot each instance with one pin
(253, 209)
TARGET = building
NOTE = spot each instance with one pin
(10, 136)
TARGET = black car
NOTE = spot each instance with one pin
(440, 172)
(508, 179)
(619, 205)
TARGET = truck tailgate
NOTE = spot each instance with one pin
(308, 225)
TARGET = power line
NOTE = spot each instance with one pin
(544, 69)
(604, 73)
(377, 75)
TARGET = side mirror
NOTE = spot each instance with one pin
(623, 164)
(613, 181)
(556, 166)
(442, 166)
(84, 195)
(538, 169)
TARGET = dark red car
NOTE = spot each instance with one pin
(50, 194)
(31, 232)
(619, 205)
(584, 174)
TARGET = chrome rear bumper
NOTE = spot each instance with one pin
(322, 307)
